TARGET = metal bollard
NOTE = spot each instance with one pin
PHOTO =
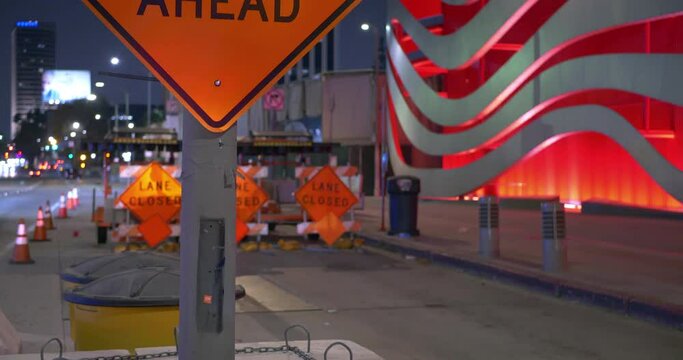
(94, 204)
(553, 230)
(489, 232)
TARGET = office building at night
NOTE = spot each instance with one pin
(33, 52)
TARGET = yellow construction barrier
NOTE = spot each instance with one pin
(123, 311)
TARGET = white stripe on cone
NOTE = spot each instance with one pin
(21, 235)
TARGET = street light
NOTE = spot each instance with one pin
(131, 125)
(115, 61)
(98, 116)
(76, 125)
(73, 134)
(99, 84)
(365, 27)
(91, 97)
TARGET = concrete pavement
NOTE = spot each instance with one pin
(621, 262)
(31, 294)
(402, 309)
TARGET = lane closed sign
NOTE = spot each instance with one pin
(154, 192)
(325, 193)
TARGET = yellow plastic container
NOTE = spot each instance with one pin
(127, 310)
(101, 328)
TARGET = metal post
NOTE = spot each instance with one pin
(553, 230)
(489, 233)
(149, 102)
(116, 117)
(380, 119)
(94, 193)
(113, 208)
(207, 252)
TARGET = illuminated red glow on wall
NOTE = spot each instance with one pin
(494, 53)
(584, 166)
(579, 166)
(637, 37)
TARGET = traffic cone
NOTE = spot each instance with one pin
(49, 223)
(63, 213)
(21, 255)
(77, 201)
(70, 200)
(40, 234)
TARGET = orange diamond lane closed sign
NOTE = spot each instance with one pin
(325, 193)
(250, 197)
(154, 192)
(219, 56)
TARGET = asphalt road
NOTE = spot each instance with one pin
(397, 307)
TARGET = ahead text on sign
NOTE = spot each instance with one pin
(226, 9)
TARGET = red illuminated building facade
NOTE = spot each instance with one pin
(574, 98)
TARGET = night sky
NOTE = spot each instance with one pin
(84, 43)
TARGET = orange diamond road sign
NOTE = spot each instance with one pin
(154, 192)
(325, 193)
(241, 231)
(154, 230)
(250, 197)
(219, 56)
(330, 228)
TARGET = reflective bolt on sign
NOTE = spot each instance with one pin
(219, 56)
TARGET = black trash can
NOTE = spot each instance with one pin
(403, 196)
(102, 235)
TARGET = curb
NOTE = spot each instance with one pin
(668, 315)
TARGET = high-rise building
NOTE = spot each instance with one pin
(33, 52)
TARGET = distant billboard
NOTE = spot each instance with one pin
(63, 86)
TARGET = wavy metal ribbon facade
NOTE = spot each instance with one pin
(581, 99)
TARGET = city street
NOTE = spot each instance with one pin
(396, 179)
(398, 307)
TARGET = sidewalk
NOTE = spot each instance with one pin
(31, 295)
(634, 265)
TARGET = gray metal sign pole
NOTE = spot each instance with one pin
(207, 249)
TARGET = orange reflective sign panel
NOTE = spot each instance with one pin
(219, 56)
(154, 230)
(330, 228)
(154, 192)
(250, 197)
(325, 193)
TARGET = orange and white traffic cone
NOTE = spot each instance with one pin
(70, 200)
(40, 233)
(77, 201)
(49, 223)
(21, 255)
(63, 213)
